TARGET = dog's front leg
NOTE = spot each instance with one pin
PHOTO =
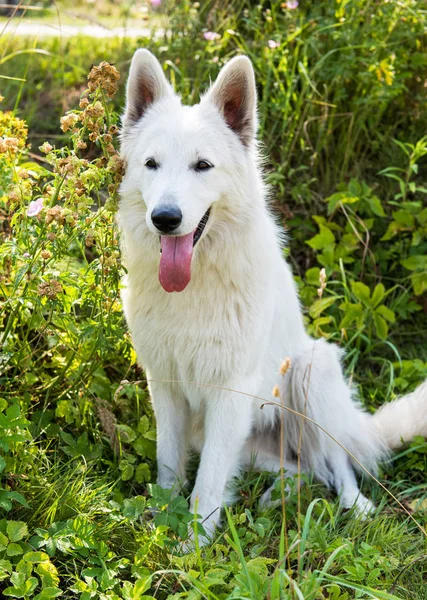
(172, 419)
(227, 426)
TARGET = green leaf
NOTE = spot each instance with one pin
(387, 313)
(324, 238)
(320, 305)
(404, 218)
(312, 276)
(14, 592)
(419, 283)
(36, 557)
(127, 434)
(68, 438)
(127, 470)
(3, 541)
(14, 549)
(362, 292)
(49, 592)
(144, 424)
(353, 313)
(378, 294)
(381, 326)
(415, 263)
(142, 473)
(16, 530)
(375, 206)
(18, 498)
(5, 567)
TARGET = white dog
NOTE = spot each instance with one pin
(195, 220)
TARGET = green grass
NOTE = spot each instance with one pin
(342, 113)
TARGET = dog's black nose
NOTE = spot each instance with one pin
(166, 218)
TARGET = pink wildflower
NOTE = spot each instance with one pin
(272, 44)
(155, 2)
(211, 36)
(292, 4)
(35, 207)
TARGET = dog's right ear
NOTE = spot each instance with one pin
(146, 85)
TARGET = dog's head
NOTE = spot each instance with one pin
(182, 161)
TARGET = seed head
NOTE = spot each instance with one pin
(105, 76)
(49, 289)
(322, 280)
(45, 148)
(69, 121)
(9, 144)
(285, 366)
(45, 254)
(276, 391)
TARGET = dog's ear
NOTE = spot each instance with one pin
(234, 94)
(146, 84)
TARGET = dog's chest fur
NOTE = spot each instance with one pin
(201, 334)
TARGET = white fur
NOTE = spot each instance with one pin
(240, 315)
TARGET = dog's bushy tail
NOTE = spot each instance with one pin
(401, 420)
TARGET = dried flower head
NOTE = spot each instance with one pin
(105, 76)
(322, 280)
(94, 111)
(90, 238)
(54, 214)
(45, 254)
(9, 144)
(276, 391)
(69, 121)
(285, 366)
(84, 103)
(49, 289)
(45, 148)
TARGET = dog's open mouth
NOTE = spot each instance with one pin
(201, 227)
(176, 255)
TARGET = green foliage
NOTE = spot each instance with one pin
(341, 108)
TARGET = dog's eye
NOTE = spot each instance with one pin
(203, 165)
(150, 163)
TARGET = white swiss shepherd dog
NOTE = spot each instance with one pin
(209, 298)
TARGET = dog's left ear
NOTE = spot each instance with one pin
(146, 85)
(234, 94)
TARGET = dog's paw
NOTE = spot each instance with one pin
(266, 503)
(363, 507)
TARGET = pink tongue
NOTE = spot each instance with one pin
(175, 261)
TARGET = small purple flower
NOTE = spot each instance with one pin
(211, 36)
(35, 207)
(272, 44)
(155, 2)
(292, 4)
(26, 255)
